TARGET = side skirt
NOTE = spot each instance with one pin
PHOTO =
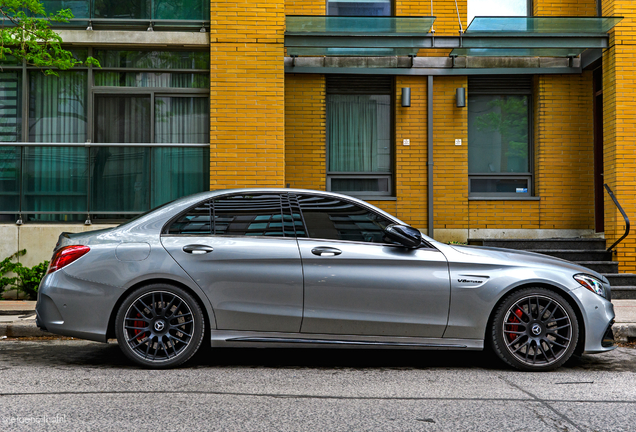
(231, 338)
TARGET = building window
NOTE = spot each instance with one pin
(359, 131)
(499, 136)
(359, 8)
(498, 8)
(112, 142)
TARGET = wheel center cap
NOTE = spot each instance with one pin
(536, 329)
(159, 325)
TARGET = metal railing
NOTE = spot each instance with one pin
(627, 225)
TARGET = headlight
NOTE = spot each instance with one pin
(591, 283)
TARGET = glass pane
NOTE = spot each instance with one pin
(57, 107)
(120, 179)
(517, 52)
(360, 185)
(491, 8)
(542, 25)
(154, 59)
(152, 79)
(122, 119)
(359, 133)
(9, 180)
(179, 171)
(196, 221)
(55, 179)
(498, 134)
(329, 218)
(182, 120)
(121, 9)
(352, 52)
(359, 8)
(11, 106)
(80, 8)
(182, 9)
(249, 215)
(519, 186)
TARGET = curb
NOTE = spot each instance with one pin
(624, 332)
(21, 329)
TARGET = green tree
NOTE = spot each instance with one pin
(27, 36)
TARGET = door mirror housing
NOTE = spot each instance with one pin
(405, 235)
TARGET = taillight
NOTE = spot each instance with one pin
(66, 255)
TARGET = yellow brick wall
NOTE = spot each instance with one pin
(619, 140)
(564, 8)
(247, 122)
(305, 7)
(446, 22)
(494, 214)
(305, 120)
(411, 173)
(451, 161)
(564, 150)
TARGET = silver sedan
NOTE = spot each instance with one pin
(286, 267)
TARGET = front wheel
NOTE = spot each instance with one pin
(159, 326)
(534, 329)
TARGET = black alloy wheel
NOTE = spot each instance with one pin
(534, 329)
(159, 326)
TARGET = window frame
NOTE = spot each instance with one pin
(391, 9)
(508, 91)
(329, 175)
(23, 139)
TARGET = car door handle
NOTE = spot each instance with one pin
(197, 249)
(326, 251)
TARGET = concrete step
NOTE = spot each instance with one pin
(621, 279)
(532, 244)
(624, 293)
(576, 255)
(600, 266)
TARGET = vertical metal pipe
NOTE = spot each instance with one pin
(429, 158)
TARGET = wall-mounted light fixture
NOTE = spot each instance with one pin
(460, 97)
(406, 96)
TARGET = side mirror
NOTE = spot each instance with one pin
(405, 235)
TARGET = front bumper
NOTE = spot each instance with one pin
(598, 316)
(73, 307)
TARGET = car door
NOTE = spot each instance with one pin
(241, 250)
(358, 283)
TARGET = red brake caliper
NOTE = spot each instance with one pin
(514, 328)
(139, 324)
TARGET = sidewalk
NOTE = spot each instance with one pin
(17, 319)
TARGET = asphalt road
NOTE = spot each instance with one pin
(77, 385)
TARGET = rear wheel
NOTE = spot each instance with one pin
(159, 326)
(534, 329)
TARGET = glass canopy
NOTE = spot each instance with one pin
(572, 26)
(358, 26)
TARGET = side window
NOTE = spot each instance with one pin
(195, 222)
(334, 219)
(249, 215)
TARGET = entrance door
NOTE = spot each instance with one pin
(599, 193)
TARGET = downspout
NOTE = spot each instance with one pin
(429, 158)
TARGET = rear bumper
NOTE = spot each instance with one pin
(73, 307)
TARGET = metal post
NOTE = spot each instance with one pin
(429, 158)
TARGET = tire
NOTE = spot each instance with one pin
(534, 329)
(159, 326)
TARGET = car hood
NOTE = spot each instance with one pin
(524, 258)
